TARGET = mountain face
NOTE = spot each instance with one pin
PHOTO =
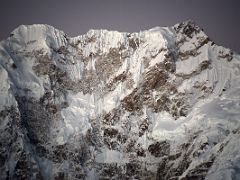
(158, 104)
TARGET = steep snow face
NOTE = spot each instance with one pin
(162, 103)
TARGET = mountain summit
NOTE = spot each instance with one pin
(159, 104)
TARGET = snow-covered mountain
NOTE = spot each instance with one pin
(159, 104)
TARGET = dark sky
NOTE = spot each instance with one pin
(219, 18)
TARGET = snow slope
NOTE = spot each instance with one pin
(159, 104)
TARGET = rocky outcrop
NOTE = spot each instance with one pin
(159, 104)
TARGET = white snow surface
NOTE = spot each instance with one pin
(216, 116)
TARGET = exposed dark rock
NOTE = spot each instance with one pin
(35, 119)
(159, 149)
(132, 102)
(62, 50)
(49, 131)
(14, 66)
(122, 138)
(226, 55)
(141, 152)
(110, 132)
(143, 127)
(132, 169)
(116, 80)
(134, 43)
(200, 171)
(204, 65)
(188, 28)
(112, 117)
